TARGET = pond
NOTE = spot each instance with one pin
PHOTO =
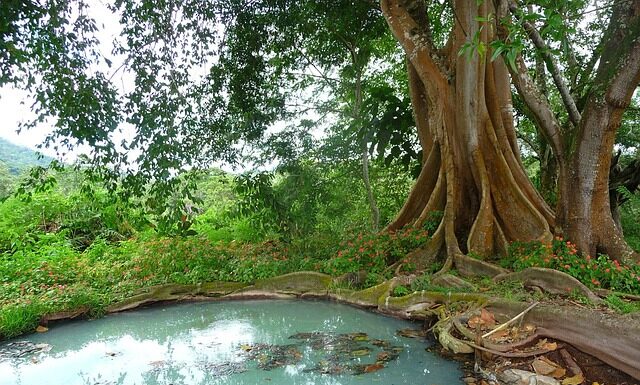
(232, 343)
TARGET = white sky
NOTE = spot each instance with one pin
(15, 107)
(12, 111)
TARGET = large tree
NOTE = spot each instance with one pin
(463, 108)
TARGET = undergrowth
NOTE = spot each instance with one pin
(595, 272)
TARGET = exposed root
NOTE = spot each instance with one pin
(511, 321)
(448, 264)
(531, 353)
(471, 267)
(551, 281)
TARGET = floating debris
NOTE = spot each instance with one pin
(224, 368)
(19, 349)
(339, 353)
(412, 333)
(272, 356)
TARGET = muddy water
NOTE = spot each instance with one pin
(231, 343)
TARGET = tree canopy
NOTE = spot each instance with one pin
(185, 84)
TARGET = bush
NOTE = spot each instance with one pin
(374, 252)
(562, 255)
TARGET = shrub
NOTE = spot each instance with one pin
(374, 252)
(400, 291)
(562, 255)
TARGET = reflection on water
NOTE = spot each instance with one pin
(219, 343)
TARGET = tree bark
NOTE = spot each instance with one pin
(584, 211)
(357, 106)
(472, 172)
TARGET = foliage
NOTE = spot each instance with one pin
(400, 291)
(7, 181)
(600, 271)
(629, 214)
(374, 252)
(620, 305)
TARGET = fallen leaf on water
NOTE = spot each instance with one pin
(575, 380)
(42, 329)
(360, 352)
(246, 348)
(373, 368)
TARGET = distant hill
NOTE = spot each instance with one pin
(17, 158)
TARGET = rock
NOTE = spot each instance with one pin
(451, 281)
(522, 377)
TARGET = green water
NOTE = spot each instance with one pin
(230, 343)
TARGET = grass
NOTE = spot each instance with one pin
(620, 305)
(52, 277)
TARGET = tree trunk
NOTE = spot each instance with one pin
(548, 172)
(357, 106)
(583, 149)
(584, 211)
(548, 164)
(472, 172)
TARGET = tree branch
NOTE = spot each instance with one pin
(552, 65)
(619, 68)
(529, 143)
(532, 96)
(311, 64)
(415, 43)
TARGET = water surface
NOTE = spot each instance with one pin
(231, 343)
